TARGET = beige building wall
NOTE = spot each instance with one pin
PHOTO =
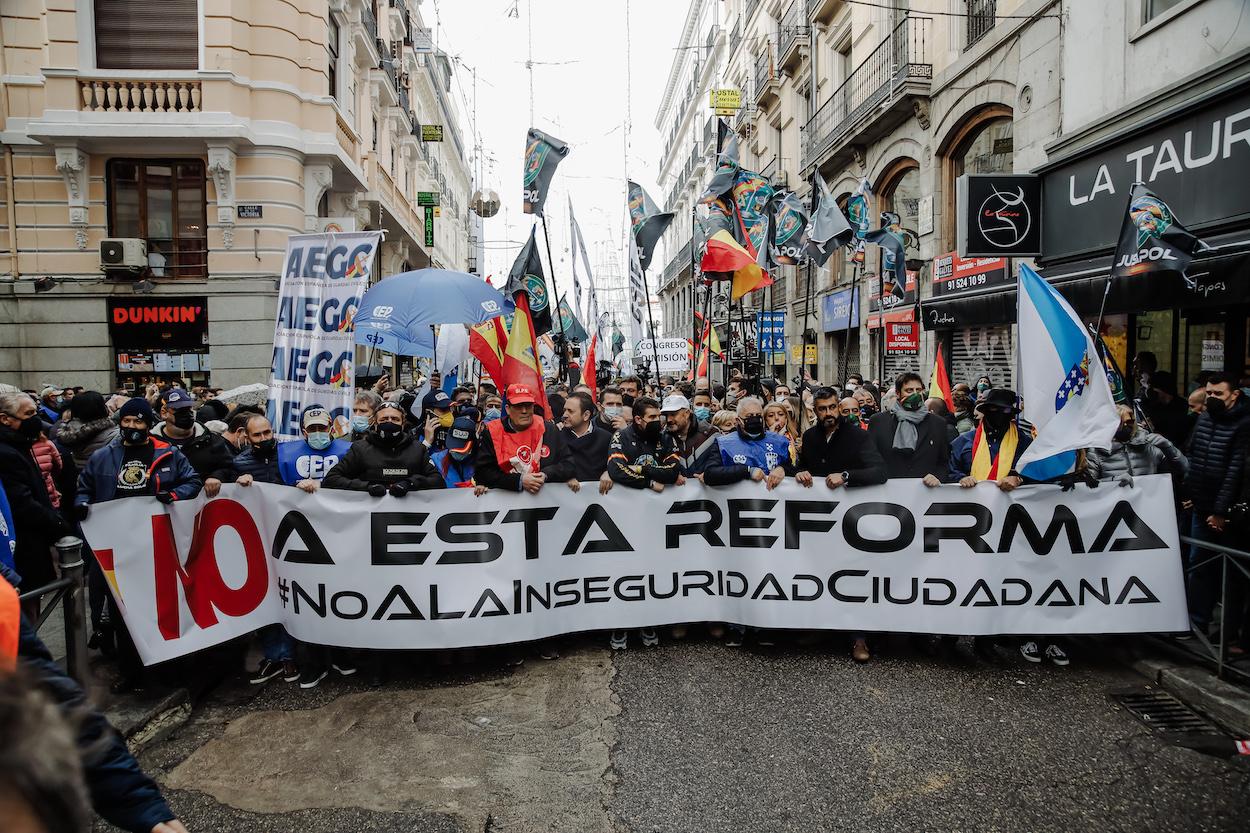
(259, 114)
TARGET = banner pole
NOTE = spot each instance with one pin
(554, 303)
(655, 350)
(846, 347)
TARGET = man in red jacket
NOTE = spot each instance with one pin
(523, 450)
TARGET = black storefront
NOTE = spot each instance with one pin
(159, 339)
(1197, 158)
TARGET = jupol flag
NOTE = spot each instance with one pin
(1062, 383)
(573, 329)
(940, 384)
(892, 281)
(646, 221)
(724, 254)
(527, 276)
(859, 213)
(1152, 239)
(788, 232)
(542, 154)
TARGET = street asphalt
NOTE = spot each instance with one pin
(695, 736)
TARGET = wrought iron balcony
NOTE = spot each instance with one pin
(709, 133)
(369, 21)
(882, 92)
(749, 10)
(735, 38)
(980, 20)
(795, 34)
(767, 81)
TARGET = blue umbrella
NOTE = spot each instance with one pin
(398, 314)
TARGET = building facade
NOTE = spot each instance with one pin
(210, 139)
(910, 96)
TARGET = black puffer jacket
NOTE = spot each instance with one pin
(373, 461)
(208, 453)
(1217, 457)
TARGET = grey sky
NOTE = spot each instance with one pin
(579, 49)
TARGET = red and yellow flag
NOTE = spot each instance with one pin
(724, 254)
(940, 384)
(589, 369)
(520, 358)
(487, 343)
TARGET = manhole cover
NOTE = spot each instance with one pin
(1163, 712)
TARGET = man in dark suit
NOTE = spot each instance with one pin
(912, 441)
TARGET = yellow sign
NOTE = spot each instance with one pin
(726, 112)
(725, 99)
(438, 211)
(796, 353)
(799, 350)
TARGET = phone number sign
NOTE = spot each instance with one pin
(953, 274)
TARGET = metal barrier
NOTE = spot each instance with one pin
(1232, 565)
(70, 590)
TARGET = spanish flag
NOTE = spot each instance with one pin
(487, 343)
(724, 254)
(520, 359)
(940, 385)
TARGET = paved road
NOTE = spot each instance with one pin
(696, 736)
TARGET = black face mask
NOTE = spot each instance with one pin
(134, 436)
(652, 431)
(998, 420)
(753, 426)
(265, 447)
(389, 432)
(183, 418)
(1216, 407)
(31, 428)
(1124, 432)
(627, 400)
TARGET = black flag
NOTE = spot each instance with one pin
(646, 221)
(788, 233)
(542, 154)
(1152, 239)
(527, 276)
(828, 229)
(893, 279)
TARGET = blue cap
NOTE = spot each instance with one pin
(178, 398)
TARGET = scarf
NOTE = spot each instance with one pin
(905, 434)
(983, 468)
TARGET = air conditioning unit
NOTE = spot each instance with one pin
(123, 253)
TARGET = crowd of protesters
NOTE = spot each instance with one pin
(62, 451)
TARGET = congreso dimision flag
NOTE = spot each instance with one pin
(324, 277)
(542, 154)
(1062, 382)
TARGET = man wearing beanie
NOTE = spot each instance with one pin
(133, 465)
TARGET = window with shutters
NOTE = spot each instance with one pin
(147, 34)
(332, 67)
(162, 202)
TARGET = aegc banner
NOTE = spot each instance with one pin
(314, 354)
(445, 569)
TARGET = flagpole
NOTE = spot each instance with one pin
(553, 301)
(846, 347)
(655, 350)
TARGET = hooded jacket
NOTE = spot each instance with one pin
(1144, 453)
(84, 438)
(170, 472)
(373, 461)
(1217, 456)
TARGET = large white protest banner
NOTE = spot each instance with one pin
(445, 569)
(314, 354)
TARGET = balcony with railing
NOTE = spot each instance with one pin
(709, 133)
(824, 11)
(767, 80)
(980, 20)
(877, 96)
(735, 38)
(794, 40)
(712, 34)
(745, 117)
(749, 9)
(386, 77)
(676, 264)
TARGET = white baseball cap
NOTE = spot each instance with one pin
(673, 403)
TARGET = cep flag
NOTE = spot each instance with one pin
(1152, 239)
(542, 154)
(646, 221)
(527, 276)
(1063, 384)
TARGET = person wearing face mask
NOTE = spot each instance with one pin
(983, 387)
(990, 451)
(1217, 461)
(867, 396)
(209, 454)
(258, 462)
(136, 464)
(363, 408)
(492, 407)
(749, 453)
(912, 441)
(36, 524)
(612, 415)
(437, 414)
(850, 414)
(455, 463)
(702, 406)
(1135, 452)
(303, 463)
(387, 461)
(692, 437)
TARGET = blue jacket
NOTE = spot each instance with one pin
(297, 460)
(961, 452)
(733, 456)
(455, 475)
(170, 472)
(120, 791)
(261, 470)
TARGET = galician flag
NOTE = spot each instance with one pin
(1062, 380)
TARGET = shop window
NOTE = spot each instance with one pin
(901, 194)
(147, 34)
(988, 151)
(162, 202)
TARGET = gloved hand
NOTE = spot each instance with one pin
(377, 489)
(399, 489)
(81, 511)
(165, 497)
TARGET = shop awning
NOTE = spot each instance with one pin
(1221, 278)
